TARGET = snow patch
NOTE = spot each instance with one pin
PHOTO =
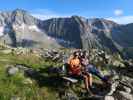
(1, 30)
(29, 27)
(59, 40)
(17, 27)
(63, 41)
(34, 27)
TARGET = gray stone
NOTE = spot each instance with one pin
(27, 81)
(127, 89)
(113, 88)
(8, 51)
(109, 98)
(71, 96)
(15, 98)
(12, 70)
(21, 67)
(124, 96)
(118, 63)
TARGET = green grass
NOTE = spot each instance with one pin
(29, 60)
(11, 86)
(44, 87)
(14, 86)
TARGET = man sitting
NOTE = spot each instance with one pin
(75, 70)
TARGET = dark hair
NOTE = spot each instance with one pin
(76, 53)
(85, 52)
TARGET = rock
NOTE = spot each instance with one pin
(127, 81)
(115, 76)
(71, 96)
(15, 98)
(128, 63)
(124, 96)
(109, 98)
(8, 51)
(53, 55)
(118, 64)
(27, 81)
(20, 50)
(12, 70)
(21, 67)
(107, 56)
(113, 88)
(127, 89)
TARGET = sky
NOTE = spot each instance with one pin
(120, 11)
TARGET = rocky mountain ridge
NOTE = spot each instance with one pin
(19, 28)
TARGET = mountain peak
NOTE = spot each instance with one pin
(20, 16)
(20, 11)
(75, 31)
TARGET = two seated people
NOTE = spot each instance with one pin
(79, 67)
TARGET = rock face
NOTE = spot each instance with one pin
(19, 28)
(91, 33)
(83, 33)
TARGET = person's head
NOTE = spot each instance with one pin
(76, 54)
(85, 53)
(81, 54)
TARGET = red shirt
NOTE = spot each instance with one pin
(75, 66)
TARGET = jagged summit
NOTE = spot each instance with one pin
(20, 10)
(18, 17)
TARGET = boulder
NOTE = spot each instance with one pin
(7, 51)
(124, 96)
(127, 89)
(12, 70)
(15, 98)
(109, 98)
(71, 96)
(21, 67)
(27, 81)
(113, 88)
(118, 64)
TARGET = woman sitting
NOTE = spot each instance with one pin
(89, 68)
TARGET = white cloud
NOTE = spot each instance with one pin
(118, 12)
(122, 19)
(45, 14)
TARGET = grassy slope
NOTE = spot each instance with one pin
(44, 87)
(14, 85)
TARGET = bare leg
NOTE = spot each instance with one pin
(86, 82)
(90, 79)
